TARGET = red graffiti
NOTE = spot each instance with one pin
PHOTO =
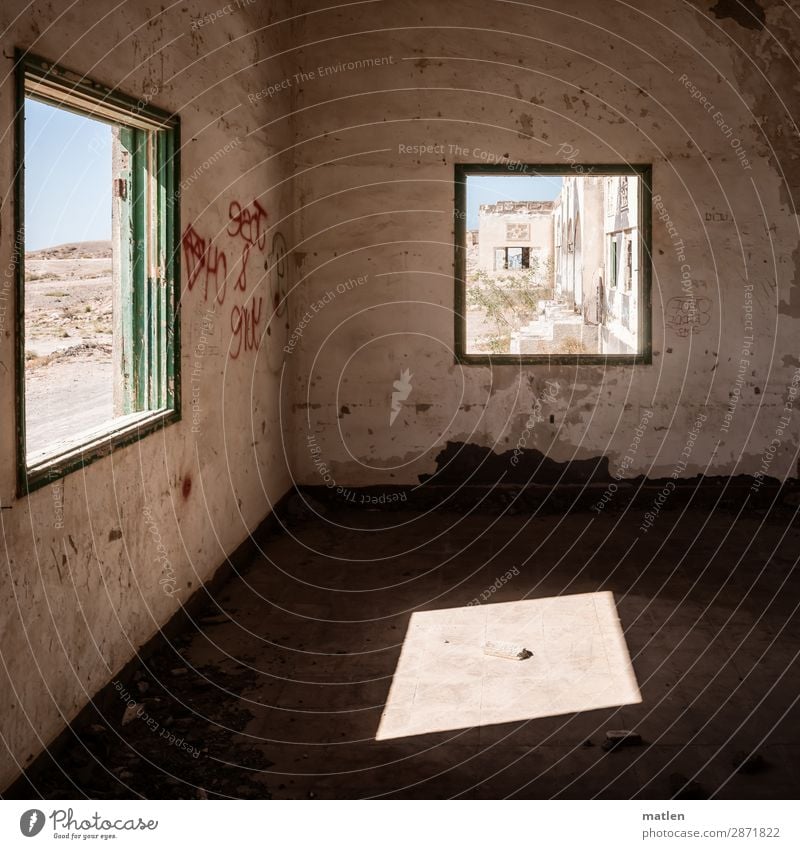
(241, 277)
(194, 249)
(244, 326)
(247, 225)
(206, 260)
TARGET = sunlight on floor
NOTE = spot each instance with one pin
(443, 680)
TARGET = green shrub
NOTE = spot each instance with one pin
(509, 300)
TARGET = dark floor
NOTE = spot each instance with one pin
(285, 698)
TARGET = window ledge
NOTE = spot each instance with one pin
(66, 456)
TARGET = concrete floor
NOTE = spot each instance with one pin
(362, 625)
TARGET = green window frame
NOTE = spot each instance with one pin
(613, 267)
(148, 274)
(644, 330)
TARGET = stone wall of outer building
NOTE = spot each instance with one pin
(578, 243)
(515, 225)
(621, 285)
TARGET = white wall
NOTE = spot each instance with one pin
(79, 594)
(600, 84)
(492, 233)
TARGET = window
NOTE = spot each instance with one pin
(512, 258)
(97, 275)
(623, 194)
(628, 263)
(613, 262)
(560, 301)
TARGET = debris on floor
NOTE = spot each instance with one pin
(510, 651)
(621, 739)
(683, 788)
(218, 619)
(183, 744)
(253, 712)
(130, 713)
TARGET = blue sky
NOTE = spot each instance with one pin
(67, 177)
(68, 180)
(482, 189)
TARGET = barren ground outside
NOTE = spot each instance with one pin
(68, 335)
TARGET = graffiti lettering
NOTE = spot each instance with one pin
(246, 223)
(206, 261)
(244, 326)
(209, 265)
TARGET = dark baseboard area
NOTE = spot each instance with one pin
(608, 496)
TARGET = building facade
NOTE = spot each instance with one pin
(597, 256)
(515, 235)
(620, 322)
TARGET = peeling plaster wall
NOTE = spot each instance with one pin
(369, 230)
(470, 81)
(77, 601)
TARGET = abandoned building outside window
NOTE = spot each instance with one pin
(552, 263)
(96, 273)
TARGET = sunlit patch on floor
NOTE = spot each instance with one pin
(444, 681)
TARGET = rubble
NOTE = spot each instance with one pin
(621, 739)
(510, 651)
(683, 788)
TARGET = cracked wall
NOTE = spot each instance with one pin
(705, 96)
(95, 564)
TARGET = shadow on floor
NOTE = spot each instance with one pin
(333, 633)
